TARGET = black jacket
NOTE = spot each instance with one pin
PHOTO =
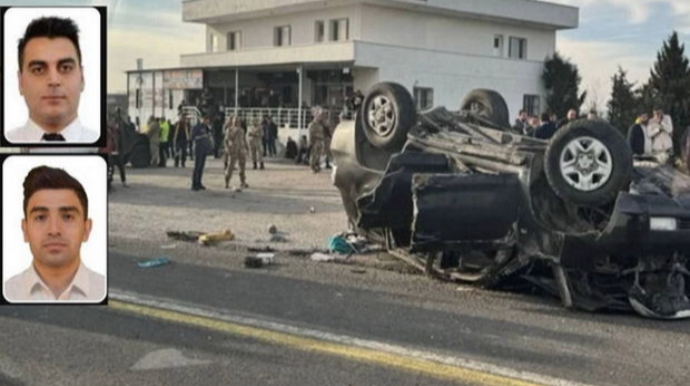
(545, 131)
(636, 138)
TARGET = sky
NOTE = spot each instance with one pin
(612, 33)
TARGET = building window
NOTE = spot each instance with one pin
(517, 48)
(319, 31)
(339, 30)
(234, 40)
(424, 97)
(281, 36)
(498, 45)
(213, 42)
(531, 104)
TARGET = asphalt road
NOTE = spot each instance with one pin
(206, 319)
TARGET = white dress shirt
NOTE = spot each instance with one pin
(31, 132)
(86, 286)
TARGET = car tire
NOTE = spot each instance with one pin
(140, 156)
(387, 113)
(488, 104)
(588, 162)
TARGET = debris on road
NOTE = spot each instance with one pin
(191, 236)
(259, 261)
(272, 229)
(214, 238)
(266, 257)
(169, 246)
(151, 263)
(312, 209)
(278, 238)
(327, 258)
(321, 257)
(261, 249)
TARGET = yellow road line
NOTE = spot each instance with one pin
(421, 366)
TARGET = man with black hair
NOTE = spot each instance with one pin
(55, 225)
(547, 128)
(51, 80)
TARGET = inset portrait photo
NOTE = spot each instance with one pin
(54, 229)
(52, 76)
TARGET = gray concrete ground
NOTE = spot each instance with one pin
(160, 199)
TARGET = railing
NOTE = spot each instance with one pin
(283, 117)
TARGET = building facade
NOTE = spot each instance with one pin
(290, 54)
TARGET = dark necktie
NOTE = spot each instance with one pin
(53, 137)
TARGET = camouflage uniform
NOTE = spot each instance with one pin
(317, 143)
(255, 137)
(236, 151)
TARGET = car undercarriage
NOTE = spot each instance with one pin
(464, 198)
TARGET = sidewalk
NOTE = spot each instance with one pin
(160, 200)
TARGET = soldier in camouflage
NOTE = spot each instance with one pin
(236, 150)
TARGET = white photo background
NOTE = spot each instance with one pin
(90, 171)
(89, 22)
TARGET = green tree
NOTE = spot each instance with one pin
(647, 98)
(562, 83)
(623, 104)
(670, 80)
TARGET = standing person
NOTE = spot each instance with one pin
(638, 136)
(316, 142)
(521, 123)
(163, 148)
(569, 117)
(660, 129)
(180, 139)
(685, 149)
(357, 100)
(264, 141)
(272, 135)
(154, 134)
(236, 150)
(255, 136)
(546, 129)
(115, 156)
(327, 136)
(201, 137)
(217, 134)
(533, 124)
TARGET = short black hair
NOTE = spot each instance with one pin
(45, 177)
(49, 27)
(545, 117)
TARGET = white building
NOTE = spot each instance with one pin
(258, 52)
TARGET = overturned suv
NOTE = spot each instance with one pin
(464, 198)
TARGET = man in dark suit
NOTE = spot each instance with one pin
(639, 140)
(547, 128)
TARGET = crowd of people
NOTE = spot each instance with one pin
(256, 139)
(240, 142)
(647, 136)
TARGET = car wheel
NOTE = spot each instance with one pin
(488, 104)
(140, 157)
(588, 163)
(388, 112)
